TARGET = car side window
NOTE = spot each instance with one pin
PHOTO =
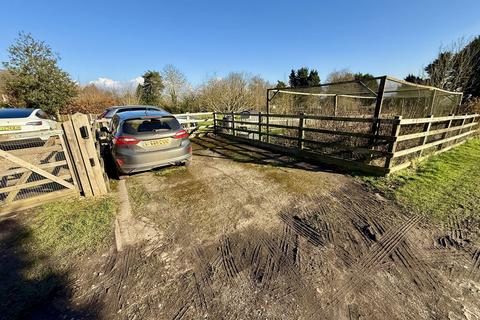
(114, 125)
(42, 114)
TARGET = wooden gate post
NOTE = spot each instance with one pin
(378, 111)
(214, 122)
(335, 106)
(260, 126)
(300, 131)
(233, 123)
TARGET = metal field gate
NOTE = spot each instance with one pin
(35, 168)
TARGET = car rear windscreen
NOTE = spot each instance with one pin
(150, 125)
(11, 113)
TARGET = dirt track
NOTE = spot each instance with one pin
(247, 234)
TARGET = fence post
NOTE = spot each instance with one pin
(335, 106)
(260, 126)
(378, 105)
(301, 134)
(426, 129)
(378, 111)
(432, 105)
(214, 122)
(233, 123)
(393, 145)
(188, 120)
(445, 135)
(463, 124)
(268, 127)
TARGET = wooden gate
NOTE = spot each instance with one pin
(34, 168)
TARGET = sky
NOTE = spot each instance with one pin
(115, 42)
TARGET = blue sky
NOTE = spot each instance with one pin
(121, 39)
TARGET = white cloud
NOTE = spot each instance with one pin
(115, 85)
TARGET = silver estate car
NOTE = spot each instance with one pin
(143, 140)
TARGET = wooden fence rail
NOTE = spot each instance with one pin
(351, 143)
(35, 168)
(41, 166)
(452, 135)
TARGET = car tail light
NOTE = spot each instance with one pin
(190, 149)
(120, 162)
(125, 140)
(34, 123)
(181, 134)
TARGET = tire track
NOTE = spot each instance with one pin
(278, 262)
(414, 268)
(474, 273)
(302, 228)
(228, 259)
(384, 248)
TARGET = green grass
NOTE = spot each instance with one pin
(40, 251)
(166, 171)
(139, 197)
(439, 186)
(73, 226)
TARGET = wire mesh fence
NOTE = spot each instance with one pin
(375, 97)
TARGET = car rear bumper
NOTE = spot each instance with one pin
(130, 162)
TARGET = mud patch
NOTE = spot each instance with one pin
(235, 242)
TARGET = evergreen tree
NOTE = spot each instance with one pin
(313, 78)
(304, 78)
(364, 77)
(414, 79)
(292, 79)
(472, 88)
(150, 92)
(34, 78)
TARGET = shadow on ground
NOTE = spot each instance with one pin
(240, 152)
(30, 285)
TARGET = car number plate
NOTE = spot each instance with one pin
(10, 128)
(156, 143)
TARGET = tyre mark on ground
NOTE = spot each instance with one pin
(228, 259)
(276, 262)
(474, 273)
(381, 250)
(303, 229)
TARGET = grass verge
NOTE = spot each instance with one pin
(75, 226)
(439, 186)
(38, 250)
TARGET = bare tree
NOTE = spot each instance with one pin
(258, 91)
(129, 97)
(176, 85)
(340, 75)
(231, 93)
